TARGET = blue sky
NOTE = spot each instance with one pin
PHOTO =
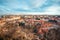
(30, 7)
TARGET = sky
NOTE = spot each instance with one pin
(50, 7)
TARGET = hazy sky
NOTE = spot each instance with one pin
(30, 6)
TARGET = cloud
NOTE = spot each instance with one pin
(39, 6)
(37, 3)
(53, 8)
